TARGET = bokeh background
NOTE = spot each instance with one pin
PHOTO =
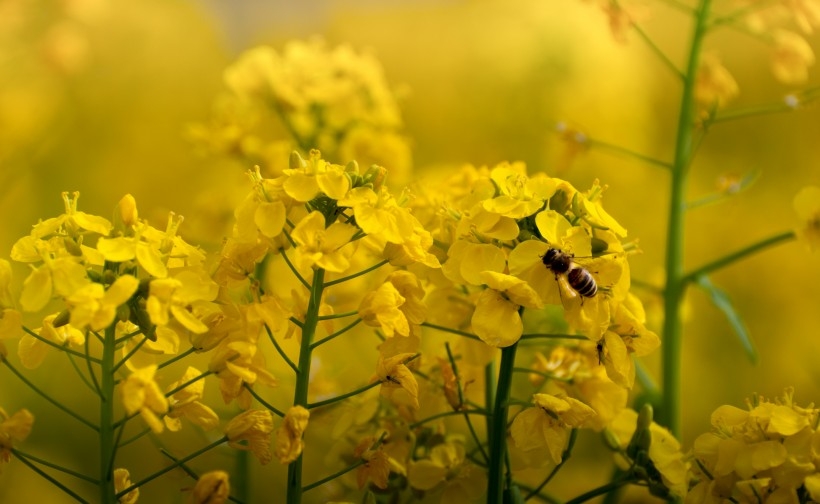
(97, 96)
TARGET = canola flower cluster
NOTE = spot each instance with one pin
(468, 255)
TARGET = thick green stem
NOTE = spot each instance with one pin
(107, 492)
(675, 282)
(498, 426)
(300, 395)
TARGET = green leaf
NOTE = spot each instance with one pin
(723, 303)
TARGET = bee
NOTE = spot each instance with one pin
(561, 263)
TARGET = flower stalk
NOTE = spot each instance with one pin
(670, 413)
(300, 395)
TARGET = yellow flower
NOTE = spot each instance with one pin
(664, 452)
(446, 464)
(186, 403)
(13, 429)
(486, 225)
(467, 260)
(140, 393)
(548, 424)
(212, 487)
(376, 467)
(590, 316)
(328, 248)
(518, 196)
(174, 296)
(96, 307)
(289, 443)
(496, 319)
(715, 86)
(238, 363)
(32, 351)
(262, 211)
(254, 427)
(128, 248)
(807, 207)
(62, 276)
(395, 305)
(379, 214)
(122, 480)
(398, 383)
(791, 58)
(72, 222)
(307, 179)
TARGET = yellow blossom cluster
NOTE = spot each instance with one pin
(501, 227)
(769, 452)
(331, 98)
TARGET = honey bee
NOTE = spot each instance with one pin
(561, 263)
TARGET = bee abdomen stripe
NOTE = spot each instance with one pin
(581, 280)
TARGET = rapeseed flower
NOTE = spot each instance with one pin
(122, 480)
(212, 487)
(547, 425)
(186, 403)
(496, 319)
(13, 429)
(446, 466)
(255, 427)
(140, 393)
(398, 382)
(32, 351)
(395, 305)
(289, 444)
(328, 248)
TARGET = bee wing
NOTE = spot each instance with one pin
(567, 292)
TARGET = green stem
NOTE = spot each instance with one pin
(452, 331)
(658, 52)
(627, 152)
(489, 394)
(173, 466)
(553, 336)
(59, 347)
(134, 350)
(181, 356)
(736, 256)
(342, 397)
(345, 470)
(498, 427)
(91, 374)
(190, 472)
(82, 376)
(339, 315)
(573, 435)
(47, 397)
(264, 403)
(354, 275)
(337, 333)
(601, 490)
(300, 394)
(107, 491)
(52, 465)
(446, 414)
(675, 285)
(293, 269)
(48, 477)
(541, 373)
(280, 350)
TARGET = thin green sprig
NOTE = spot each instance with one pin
(47, 397)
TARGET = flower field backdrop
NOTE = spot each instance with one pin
(488, 251)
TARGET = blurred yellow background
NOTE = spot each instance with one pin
(95, 96)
